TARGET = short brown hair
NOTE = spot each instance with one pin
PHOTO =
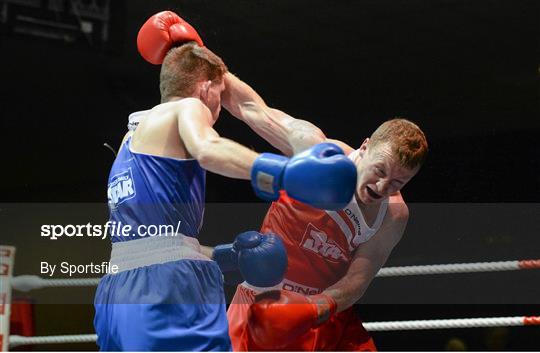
(186, 65)
(406, 139)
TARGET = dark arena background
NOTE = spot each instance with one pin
(467, 72)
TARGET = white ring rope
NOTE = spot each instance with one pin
(27, 282)
(370, 326)
(15, 341)
(459, 268)
(452, 323)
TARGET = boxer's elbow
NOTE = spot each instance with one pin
(206, 151)
(304, 135)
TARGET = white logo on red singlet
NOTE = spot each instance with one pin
(299, 288)
(318, 242)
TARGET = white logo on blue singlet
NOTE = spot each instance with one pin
(120, 188)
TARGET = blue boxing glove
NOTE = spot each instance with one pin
(321, 176)
(261, 259)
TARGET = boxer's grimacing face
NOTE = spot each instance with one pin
(379, 173)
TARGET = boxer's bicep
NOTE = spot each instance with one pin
(374, 253)
(195, 126)
(368, 259)
(213, 152)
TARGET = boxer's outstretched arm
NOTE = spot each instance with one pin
(214, 153)
(346, 148)
(370, 257)
(282, 131)
(207, 251)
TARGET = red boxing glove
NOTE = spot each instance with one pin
(161, 32)
(278, 318)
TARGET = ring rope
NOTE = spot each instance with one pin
(15, 340)
(459, 268)
(370, 326)
(452, 323)
(27, 283)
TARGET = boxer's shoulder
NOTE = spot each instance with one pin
(175, 108)
(166, 114)
(347, 150)
(157, 131)
(398, 211)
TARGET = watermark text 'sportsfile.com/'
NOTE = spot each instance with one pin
(109, 229)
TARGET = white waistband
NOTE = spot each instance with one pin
(128, 255)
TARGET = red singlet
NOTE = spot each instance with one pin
(320, 245)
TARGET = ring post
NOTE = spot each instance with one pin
(7, 257)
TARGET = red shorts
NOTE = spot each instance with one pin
(343, 332)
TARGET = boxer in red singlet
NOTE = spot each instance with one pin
(333, 256)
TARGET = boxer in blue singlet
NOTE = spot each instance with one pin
(168, 294)
(161, 275)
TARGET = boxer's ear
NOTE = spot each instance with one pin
(363, 148)
(204, 87)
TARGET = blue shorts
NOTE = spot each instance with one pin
(175, 306)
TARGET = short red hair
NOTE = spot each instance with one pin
(406, 139)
